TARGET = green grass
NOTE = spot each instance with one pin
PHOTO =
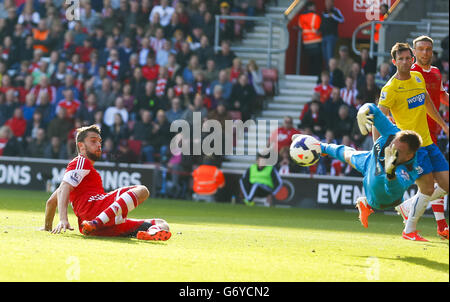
(219, 242)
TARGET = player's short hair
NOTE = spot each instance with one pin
(399, 47)
(83, 132)
(411, 138)
(422, 38)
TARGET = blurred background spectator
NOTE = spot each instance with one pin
(331, 18)
(310, 23)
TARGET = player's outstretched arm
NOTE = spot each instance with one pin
(372, 118)
(50, 210)
(62, 193)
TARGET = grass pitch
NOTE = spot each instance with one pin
(219, 242)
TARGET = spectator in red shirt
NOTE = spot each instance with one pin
(283, 135)
(236, 70)
(85, 51)
(44, 86)
(69, 103)
(150, 71)
(324, 88)
(17, 123)
(22, 91)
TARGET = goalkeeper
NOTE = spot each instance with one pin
(389, 169)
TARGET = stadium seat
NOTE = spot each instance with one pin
(270, 80)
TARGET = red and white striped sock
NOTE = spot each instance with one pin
(438, 210)
(117, 210)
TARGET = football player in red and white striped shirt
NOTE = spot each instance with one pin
(99, 213)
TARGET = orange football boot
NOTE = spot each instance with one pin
(443, 234)
(154, 233)
(364, 210)
(88, 227)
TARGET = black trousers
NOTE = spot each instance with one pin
(313, 58)
(251, 191)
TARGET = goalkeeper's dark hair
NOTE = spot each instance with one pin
(83, 132)
(411, 138)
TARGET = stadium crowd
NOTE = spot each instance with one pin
(133, 67)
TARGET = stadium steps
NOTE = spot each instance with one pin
(258, 38)
(439, 29)
(294, 92)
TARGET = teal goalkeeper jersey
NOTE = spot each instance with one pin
(380, 191)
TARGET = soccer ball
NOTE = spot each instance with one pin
(305, 150)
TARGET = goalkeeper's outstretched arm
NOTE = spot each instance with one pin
(372, 118)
